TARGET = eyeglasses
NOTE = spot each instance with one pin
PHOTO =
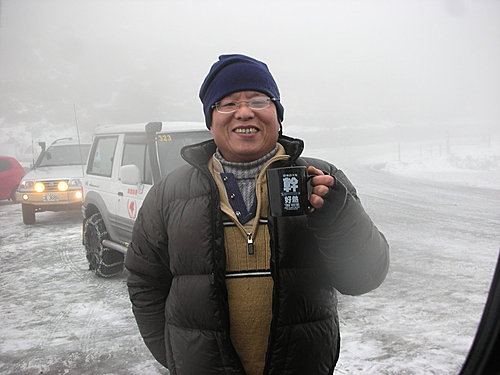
(255, 104)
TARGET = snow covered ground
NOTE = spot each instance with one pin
(441, 216)
(439, 213)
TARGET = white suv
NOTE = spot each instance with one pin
(124, 162)
(55, 181)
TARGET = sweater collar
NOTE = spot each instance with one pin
(199, 154)
(245, 170)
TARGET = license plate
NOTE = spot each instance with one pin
(50, 197)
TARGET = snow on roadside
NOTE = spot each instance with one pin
(475, 167)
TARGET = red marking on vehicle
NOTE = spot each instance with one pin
(132, 209)
(132, 191)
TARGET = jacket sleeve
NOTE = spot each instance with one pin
(354, 250)
(149, 277)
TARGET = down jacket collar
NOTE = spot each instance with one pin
(199, 154)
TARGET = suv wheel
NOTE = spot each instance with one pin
(13, 194)
(28, 214)
(103, 261)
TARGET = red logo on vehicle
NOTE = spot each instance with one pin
(132, 209)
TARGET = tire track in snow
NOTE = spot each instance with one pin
(88, 339)
(67, 254)
(54, 324)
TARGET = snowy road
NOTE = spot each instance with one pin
(58, 318)
(444, 246)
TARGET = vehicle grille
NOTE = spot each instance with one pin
(52, 185)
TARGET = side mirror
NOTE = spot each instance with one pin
(130, 174)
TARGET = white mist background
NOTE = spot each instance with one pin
(390, 69)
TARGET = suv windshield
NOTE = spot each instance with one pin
(64, 155)
(170, 144)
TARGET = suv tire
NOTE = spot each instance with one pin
(28, 214)
(13, 194)
(103, 261)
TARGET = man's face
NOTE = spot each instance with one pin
(245, 135)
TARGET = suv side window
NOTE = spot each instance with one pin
(101, 157)
(136, 153)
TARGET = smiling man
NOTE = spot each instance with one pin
(245, 125)
(220, 287)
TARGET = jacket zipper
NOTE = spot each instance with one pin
(272, 225)
(275, 301)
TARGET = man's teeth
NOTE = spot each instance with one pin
(246, 130)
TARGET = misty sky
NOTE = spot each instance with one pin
(338, 63)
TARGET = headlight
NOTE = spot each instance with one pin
(75, 183)
(39, 187)
(62, 186)
(26, 185)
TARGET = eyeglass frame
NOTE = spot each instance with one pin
(238, 103)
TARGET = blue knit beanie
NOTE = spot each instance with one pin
(233, 73)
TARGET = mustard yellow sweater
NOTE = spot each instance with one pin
(248, 277)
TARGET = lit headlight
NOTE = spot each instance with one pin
(62, 186)
(39, 187)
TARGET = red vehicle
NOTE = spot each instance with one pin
(11, 174)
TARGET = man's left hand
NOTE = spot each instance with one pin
(321, 186)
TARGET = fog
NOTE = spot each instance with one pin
(407, 87)
(390, 66)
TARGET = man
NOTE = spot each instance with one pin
(217, 286)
